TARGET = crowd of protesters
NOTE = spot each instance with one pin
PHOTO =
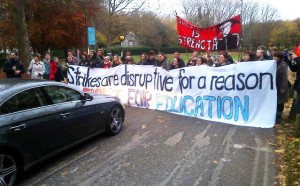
(47, 68)
(52, 69)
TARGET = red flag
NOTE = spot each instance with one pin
(223, 36)
(297, 50)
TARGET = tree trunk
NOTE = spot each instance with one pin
(21, 31)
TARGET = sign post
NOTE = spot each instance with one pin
(121, 38)
(91, 36)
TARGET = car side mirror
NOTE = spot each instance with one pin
(88, 97)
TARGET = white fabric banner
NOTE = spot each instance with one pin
(242, 94)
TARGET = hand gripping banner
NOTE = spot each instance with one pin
(223, 36)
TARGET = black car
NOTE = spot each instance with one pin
(39, 119)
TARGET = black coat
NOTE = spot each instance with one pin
(61, 73)
(8, 68)
(151, 62)
(295, 67)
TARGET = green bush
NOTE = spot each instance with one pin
(139, 50)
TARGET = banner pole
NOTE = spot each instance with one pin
(241, 39)
(226, 44)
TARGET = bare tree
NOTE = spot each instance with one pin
(250, 12)
(250, 16)
(268, 13)
(111, 19)
(205, 13)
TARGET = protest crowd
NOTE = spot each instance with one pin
(52, 69)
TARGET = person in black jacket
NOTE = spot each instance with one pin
(151, 58)
(295, 67)
(13, 67)
(281, 85)
(94, 60)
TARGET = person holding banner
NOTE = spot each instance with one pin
(202, 61)
(106, 62)
(281, 85)
(261, 54)
(222, 60)
(116, 61)
(248, 56)
(123, 58)
(181, 62)
(176, 63)
(129, 60)
(95, 61)
(163, 61)
(143, 59)
(100, 55)
(151, 58)
(192, 62)
(84, 61)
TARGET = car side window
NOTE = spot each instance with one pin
(28, 99)
(60, 94)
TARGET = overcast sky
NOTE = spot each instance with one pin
(288, 9)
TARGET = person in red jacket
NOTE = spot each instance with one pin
(106, 63)
(57, 71)
(53, 68)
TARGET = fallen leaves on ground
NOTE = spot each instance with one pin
(287, 150)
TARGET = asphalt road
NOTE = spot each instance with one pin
(158, 148)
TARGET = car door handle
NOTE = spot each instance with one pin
(65, 114)
(19, 127)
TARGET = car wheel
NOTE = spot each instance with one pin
(8, 169)
(115, 120)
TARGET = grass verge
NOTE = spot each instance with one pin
(287, 152)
